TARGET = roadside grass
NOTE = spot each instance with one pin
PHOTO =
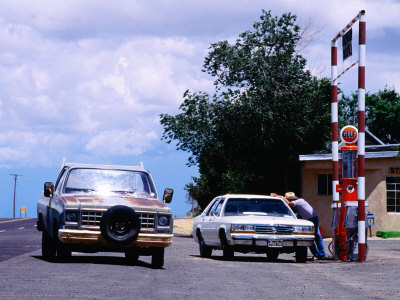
(183, 226)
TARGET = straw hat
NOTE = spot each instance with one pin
(290, 196)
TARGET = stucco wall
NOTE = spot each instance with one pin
(322, 204)
(375, 181)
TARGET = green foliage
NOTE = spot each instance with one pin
(267, 109)
(382, 114)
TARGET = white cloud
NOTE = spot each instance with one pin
(91, 77)
(122, 142)
(32, 148)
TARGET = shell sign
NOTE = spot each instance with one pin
(349, 134)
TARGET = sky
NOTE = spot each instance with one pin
(87, 80)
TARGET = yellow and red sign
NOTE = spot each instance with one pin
(349, 134)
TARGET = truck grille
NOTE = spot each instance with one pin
(147, 220)
(91, 220)
(275, 229)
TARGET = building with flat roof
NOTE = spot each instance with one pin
(382, 184)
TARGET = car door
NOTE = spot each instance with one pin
(207, 225)
(212, 221)
(215, 223)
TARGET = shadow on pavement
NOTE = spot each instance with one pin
(97, 260)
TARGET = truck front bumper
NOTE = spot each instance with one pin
(90, 237)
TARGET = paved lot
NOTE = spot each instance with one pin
(187, 276)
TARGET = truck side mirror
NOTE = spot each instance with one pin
(48, 189)
(167, 197)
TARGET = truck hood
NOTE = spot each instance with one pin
(105, 202)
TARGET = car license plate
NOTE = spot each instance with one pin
(275, 243)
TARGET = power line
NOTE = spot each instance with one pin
(15, 189)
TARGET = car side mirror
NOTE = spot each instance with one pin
(167, 197)
(48, 189)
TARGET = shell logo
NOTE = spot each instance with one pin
(349, 134)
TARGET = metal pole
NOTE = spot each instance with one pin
(361, 138)
(334, 128)
(15, 190)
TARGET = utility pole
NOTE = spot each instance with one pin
(15, 189)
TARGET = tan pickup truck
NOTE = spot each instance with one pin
(97, 208)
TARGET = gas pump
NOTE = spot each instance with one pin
(345, 215)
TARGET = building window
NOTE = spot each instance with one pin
(324, 185)
(393, 194)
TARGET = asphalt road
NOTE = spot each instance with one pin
(18, 236)
(187, 276)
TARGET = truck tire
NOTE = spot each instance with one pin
(157, 258)
(120, 225)
(132, 256)
(63, 253)
(49, 246)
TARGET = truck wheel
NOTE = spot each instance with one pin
(157, 258)
(49, 246)
(301, 254)
(132, 256)
(63, 253)
(39, 223)
(120, 224)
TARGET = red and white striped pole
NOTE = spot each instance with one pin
(361, 138)
(334, 122)
(335, 144)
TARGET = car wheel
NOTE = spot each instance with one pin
(227, 251)
(120, 224)
(49, 246)
(132, 256)
(157, 258)
(272, 255)
(205, 251)
(301, 254)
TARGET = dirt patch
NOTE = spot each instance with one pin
(183, 226)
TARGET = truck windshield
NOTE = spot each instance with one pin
(257, 206)
(106, 182)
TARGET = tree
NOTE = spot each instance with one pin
(382, 111)
(267, 109)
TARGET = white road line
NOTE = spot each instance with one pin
(2, 230)
(21, 228)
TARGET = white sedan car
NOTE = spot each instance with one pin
(252, 223)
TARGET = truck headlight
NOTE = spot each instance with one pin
(163, 221)
(242, 228)
(303, 229)
(71, 216)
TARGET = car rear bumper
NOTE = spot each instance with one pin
(90, 237)
(263, 240)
